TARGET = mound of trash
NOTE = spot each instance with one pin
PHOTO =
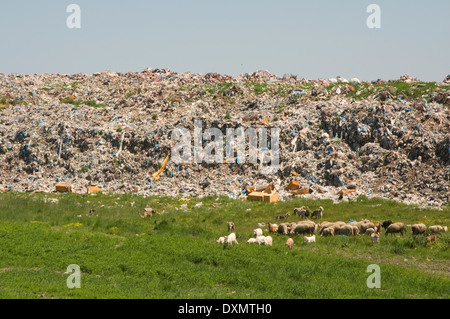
(388, 139)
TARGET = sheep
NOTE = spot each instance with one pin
(318, 213)
(221, 240)
(436, 229)
(306, 222)
(272, 228)
(386, 224)
(283, 216)
(264, 240)
(257, 232)
(290, 243)
(378, 227)
(363, 225)
(311, 239)
(329, 231)
(252, 241)
(303, 212)
(324, 225)
(418, 229)
(315, 227)
(355, 230)
(291, 227)
(335, 226)
(260, 240)
(346, 230)
(370, 231)
(230, 239)
(304, 228)
(375, 237)
(354, 223)
(268, 240)
(338, 223)
(395, 228)
(283, 229)
(230, 226)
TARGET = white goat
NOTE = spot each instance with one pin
(230, 239)
(311, 239)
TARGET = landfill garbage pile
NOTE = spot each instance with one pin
(384, 138)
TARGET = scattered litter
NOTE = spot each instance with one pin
(112, 132)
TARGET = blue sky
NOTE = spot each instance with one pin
(313, 39)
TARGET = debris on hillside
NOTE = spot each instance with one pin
(383, 138)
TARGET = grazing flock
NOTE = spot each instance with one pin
(309, 229)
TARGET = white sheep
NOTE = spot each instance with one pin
(283, 229)
(436, 229)
(304, 227)
(260, 240)
(365, 226)
(268, 241)
(395, 228)
(264, 240)
(346, 230)
(335, 225)
(362, 225)
(418, 229)
(221, 240)
(355, 230)
(324, 225)
(257, 232)
(329, 231)
(252, 241)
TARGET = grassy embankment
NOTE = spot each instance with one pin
(174, 254)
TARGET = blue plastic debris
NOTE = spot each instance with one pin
(300, 92)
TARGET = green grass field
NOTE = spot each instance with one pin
(174, 254)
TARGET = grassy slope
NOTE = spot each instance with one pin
(174, 255)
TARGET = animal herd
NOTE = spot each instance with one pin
(309, 229)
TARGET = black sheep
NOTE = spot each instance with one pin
(386, 224)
